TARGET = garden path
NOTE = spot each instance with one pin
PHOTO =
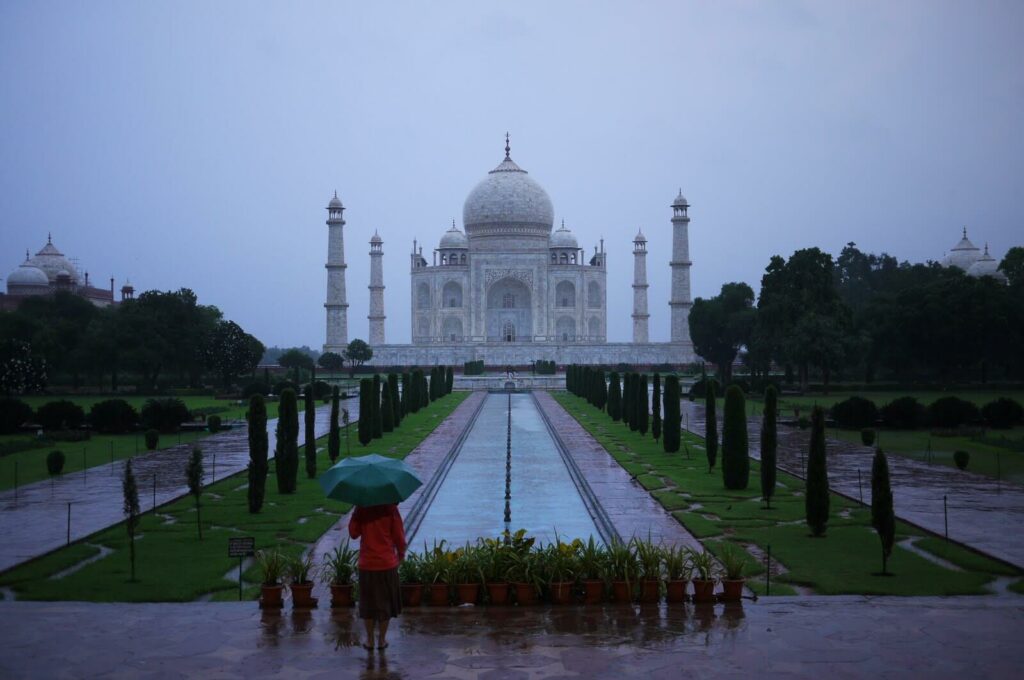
(36, 521)
(983, 513)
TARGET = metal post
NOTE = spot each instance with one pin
(768, 572)
(69, 523)
(85, 469)
(860, 488)
(999, 473)
(239, 578)
(154, 493)
(213, 472)
(111, 457)
(15, 482)
(945, 517)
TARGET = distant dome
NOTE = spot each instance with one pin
(27, 275)
(454, 238)
(987, 266)
(963, 254)
(52, 262)
(376, 238)
(563, 238)
(680, 201)
(508, 200)
(639, 236)
(335, 202)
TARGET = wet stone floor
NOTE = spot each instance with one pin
(810, 637)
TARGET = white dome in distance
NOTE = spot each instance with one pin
(27, 275)
(987, 266)
(963, 254)
(563, 238)
(454, 238)
(508, 200)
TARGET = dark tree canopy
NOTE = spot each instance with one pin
(721, 325)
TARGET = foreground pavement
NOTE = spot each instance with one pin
(807, 637)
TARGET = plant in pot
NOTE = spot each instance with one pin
(592, 564)
(703, 576)
(299, 581)
(622, 570)
(648, 559)
(435, 567)
(271, 564)
(336, 570)
(467, 574)
(732, 582)
(524, 575)
(494, 563)
(677, 572)
(410, 574)
(560, 568)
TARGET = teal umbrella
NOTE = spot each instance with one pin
(370, 480)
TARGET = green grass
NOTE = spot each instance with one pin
(172, 565)
(843, 562)
(964, 559)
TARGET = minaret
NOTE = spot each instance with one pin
(640, 315)
(680, 301)
(337, 306)
(376, 315)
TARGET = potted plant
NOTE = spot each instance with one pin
(677, 572)
(411, 576)
(703, 576)
(435, 567)
(622, 570)
(299, 582)
(336, 571)
(560, 567)
(648, 558)
(271, 564)
(467, 574)
(733, 563)
(592, 563)
(523, 573)
(494, 563)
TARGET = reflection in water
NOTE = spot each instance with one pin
(302, 620)
(733, 615)
(272, 624)
(340, 630)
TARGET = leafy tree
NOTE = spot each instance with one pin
(719, 326)
(113, 416)
(656, 408)
(735, 460)
(287, 449)
(387, 410)
(357, 353)
(258, 447)
(55, 463)
(614, 397)
(21, 369)
(165, 415)
(710, 424)
(130, 492)
(769, 443)
(396, 401)
(296, 360)
(816, 498)
(642, 405)
(331, 361)
(673, 419)
(230, 351)
(194, 474)
(1012, 265)
(883, 518)
(365, 411)
(309, 446)
(334, 435)
(60, 415)
(376, 419)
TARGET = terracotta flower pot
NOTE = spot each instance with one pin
(497, 593)
(561, 592)
(649, 591)
(622, 591)
(593, 591)
(675, 591)
(302, 595)
(271, 597)
(341, 595)
(467, 592)
(412, 594)
(732, 590)
(703, 591)
(526, 594)
(439, 595)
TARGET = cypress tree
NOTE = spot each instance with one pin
(627, 403)
(710, 424)
(365, 412)
(406, 403)
(642, 405)
(735, 453)
(378, 423)
(673, 421)
(602, 389)
(334, 435)
(258, 446)
(414, 389)
(287, 449)
(432, 387)
(883, 518)
(450, 379)
(309, 446)
(424, 392)
(769, 443)
(194, 476)
(130, 493)
(387, 411)
(816, 498)
(656, 408)
(396, 402)
(614, 397)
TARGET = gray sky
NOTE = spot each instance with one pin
(196, 144)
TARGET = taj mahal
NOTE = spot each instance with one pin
(509, 288)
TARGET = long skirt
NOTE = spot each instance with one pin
(380, 596)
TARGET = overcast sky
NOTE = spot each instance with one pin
(197, 144)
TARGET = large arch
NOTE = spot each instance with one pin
(509, 305)
(565, 329)
(423, 296)
(423, 327)
(594, 295)
(565, 294)
(451, 295)
(451, 329)
(594, 328)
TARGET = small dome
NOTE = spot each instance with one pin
(27, 275)
(680, 201)
(963, 254)
(335, 202)
(639, 237)
(454, 238)
(563, 238)
(987, 266)
(376, 238)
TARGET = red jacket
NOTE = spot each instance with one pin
(381, 534)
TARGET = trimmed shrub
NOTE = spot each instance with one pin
(213, 424)
(473, 367)
(165, 415)
(710, 425)
(1002, 414)
(614, 397)
(961, 458)
(287, 451)
(449, 379)
(377, 420)
(671, 434)
(396, 401)
(656, 408)
(152, 439)
(816, 498)
(855, 413)
(334, 434)
(867, 437)
(60, 415)
(258, 448)
(321, 390)
(769, 443)
(309, 443)
(387, 410)
(735, 460)
(281, 386)
(13, 414)
(260, 388)
(642, 405)
(905, 413)
(952, 412)
(543, 367)
(883, 518)
(55, 462)
(365, 412)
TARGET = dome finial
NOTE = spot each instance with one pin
(26, 254)
(508, 149)
(49, 238)
(453, 224)
(965, 231)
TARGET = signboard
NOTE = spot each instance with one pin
(244, 546)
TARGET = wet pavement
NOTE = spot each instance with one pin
(808, 637)
(38, 522)
(982, 513)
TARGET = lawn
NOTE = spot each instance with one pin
(173, 565)
(844, 562)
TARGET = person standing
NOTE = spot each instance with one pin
(381, 549)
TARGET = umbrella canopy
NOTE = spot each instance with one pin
(370, 480)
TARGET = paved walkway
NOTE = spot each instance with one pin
(983, 514)
(38, 522)
(809, 637)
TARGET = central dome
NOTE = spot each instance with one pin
(508, 200)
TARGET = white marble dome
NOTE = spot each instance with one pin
(563, 238)
(53, 263)
(963, 254)
(27, 275)
(987, 266)
(454, 238)
(508, 196)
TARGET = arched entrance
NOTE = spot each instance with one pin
(509, 311)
